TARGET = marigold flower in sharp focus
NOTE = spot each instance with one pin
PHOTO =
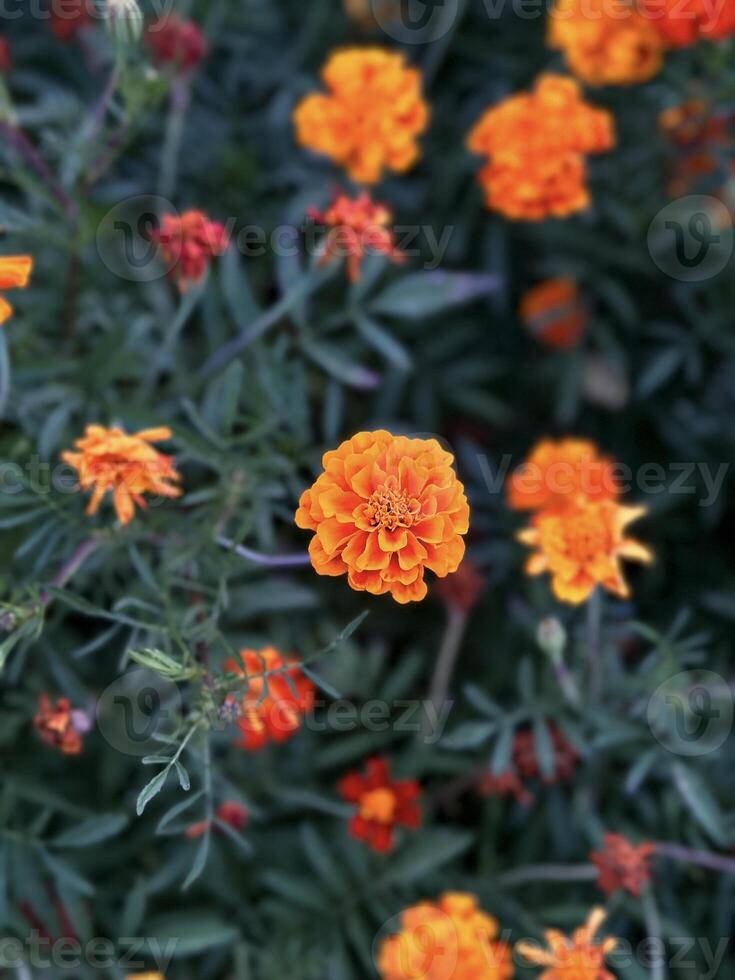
(536, 144)
(385, 509)
(59, 725)
(554, 312)
(582, 547)
(110, 460)
(68, 17)
(15, 271)
(622, 865)
(276, 697)
(357, 228)
(450, 939)
(177, 42)
(371, 116)
(578, 958)
(382, 804)
(684, 22)
(560, 472)
(188, 243)
(606, 42)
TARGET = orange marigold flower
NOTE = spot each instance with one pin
(233, 814)
(450, 938)
(277, 695)
(176, 42)
(536, 144)
(59, 725)
(371, 116)
(15, 271)
(5, 57)
(561, 472)
(578, 958)
(684, 22)
(382, 804)
(110, 460)
(188, 243)
(554, 312)
(68, 17)
(385, 509)
(582, 547)
(357, 228)
(622, 865)
(606, 42)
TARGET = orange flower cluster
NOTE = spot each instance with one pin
(385, 509)
(110, 460)
(554, 313)
(622, 865)
(5, 57)
(188, 243)
(382, 804)
(15, 271)
(177, 42)
(536, 145)
(578, 958)
(371, 117)
(684, 22)
(561, 472)
(233, 814)
(59, 725)
(68, 17)
(357, 228)
(277, 696)
(450, 938)
(704, 143)
(606, 42)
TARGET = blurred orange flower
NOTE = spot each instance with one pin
(622, 865)
(110, 460)
(57, 725)
(357, 228)
(382, 803)
(188, 243)
(606, 42)
(554, 312)
(578, 958)
(684, 22)
(559, 472)
(15, 271)
(536, 144)
(276, 696)
(371, 117)
(177, 42)
(449, 938)
(385, 509)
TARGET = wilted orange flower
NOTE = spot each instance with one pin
(233, 814)
(357, 228)
(5, 57)
(582, 547)
(559, 472)
(371, 117)
(276, 697)
(383, 804)
(554, 312)
(578, 958)
(15, 271)
(622, 865)
(536, 144)
(684, 22)
(68, 17)
(385, 509)
(59, 725)
(606, 42)
(451, 938)
(177, 42)
(188, 243)
(110, 460)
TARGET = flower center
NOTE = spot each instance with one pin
(391, 508)
(378, 805)
(586, 538)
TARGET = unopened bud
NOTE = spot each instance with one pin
(124, 21)
(551, 637)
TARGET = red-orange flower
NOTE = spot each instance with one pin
(188, 243)
(382, 804)
(357, 228)
(462, 589)
(68, 17)
(622, 865)
(176, 42)
(525, 757)
(371, 116)
(561, 472)
(536, 145)
(505, 784)
(5, 57)
(233, 814)
(580, 957)
(59, 725)
(111, 461)
(277, 695)
(684, 22)
(385, 509)
(555, 313)
(15, 271)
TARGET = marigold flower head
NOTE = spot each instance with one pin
(110, 460)
(5, 56)
(68, 17)
(357, 228)
(277, 695)
(450, 939)
(606, 42)
(684, 22)
(561, 472)
(582, 547)
(554, 312)
(59, 725)
(382, 804)
(526, 762)
(578, 958)
(233, 814)
(371, 116)
(622, 865)
(15, 271)
(188, 243)
(177, 42)
(536, 144)
(385, 509)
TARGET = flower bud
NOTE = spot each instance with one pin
(551, 637)
(124, 21)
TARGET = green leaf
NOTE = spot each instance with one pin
(701, 802)
(424, 855)
(428, 293)
(469, 735)
(92, 831)
(331, 359)
(151, 789)
(190, 933)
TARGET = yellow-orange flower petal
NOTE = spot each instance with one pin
(558, 472)
(15, 272)
(577, 958)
